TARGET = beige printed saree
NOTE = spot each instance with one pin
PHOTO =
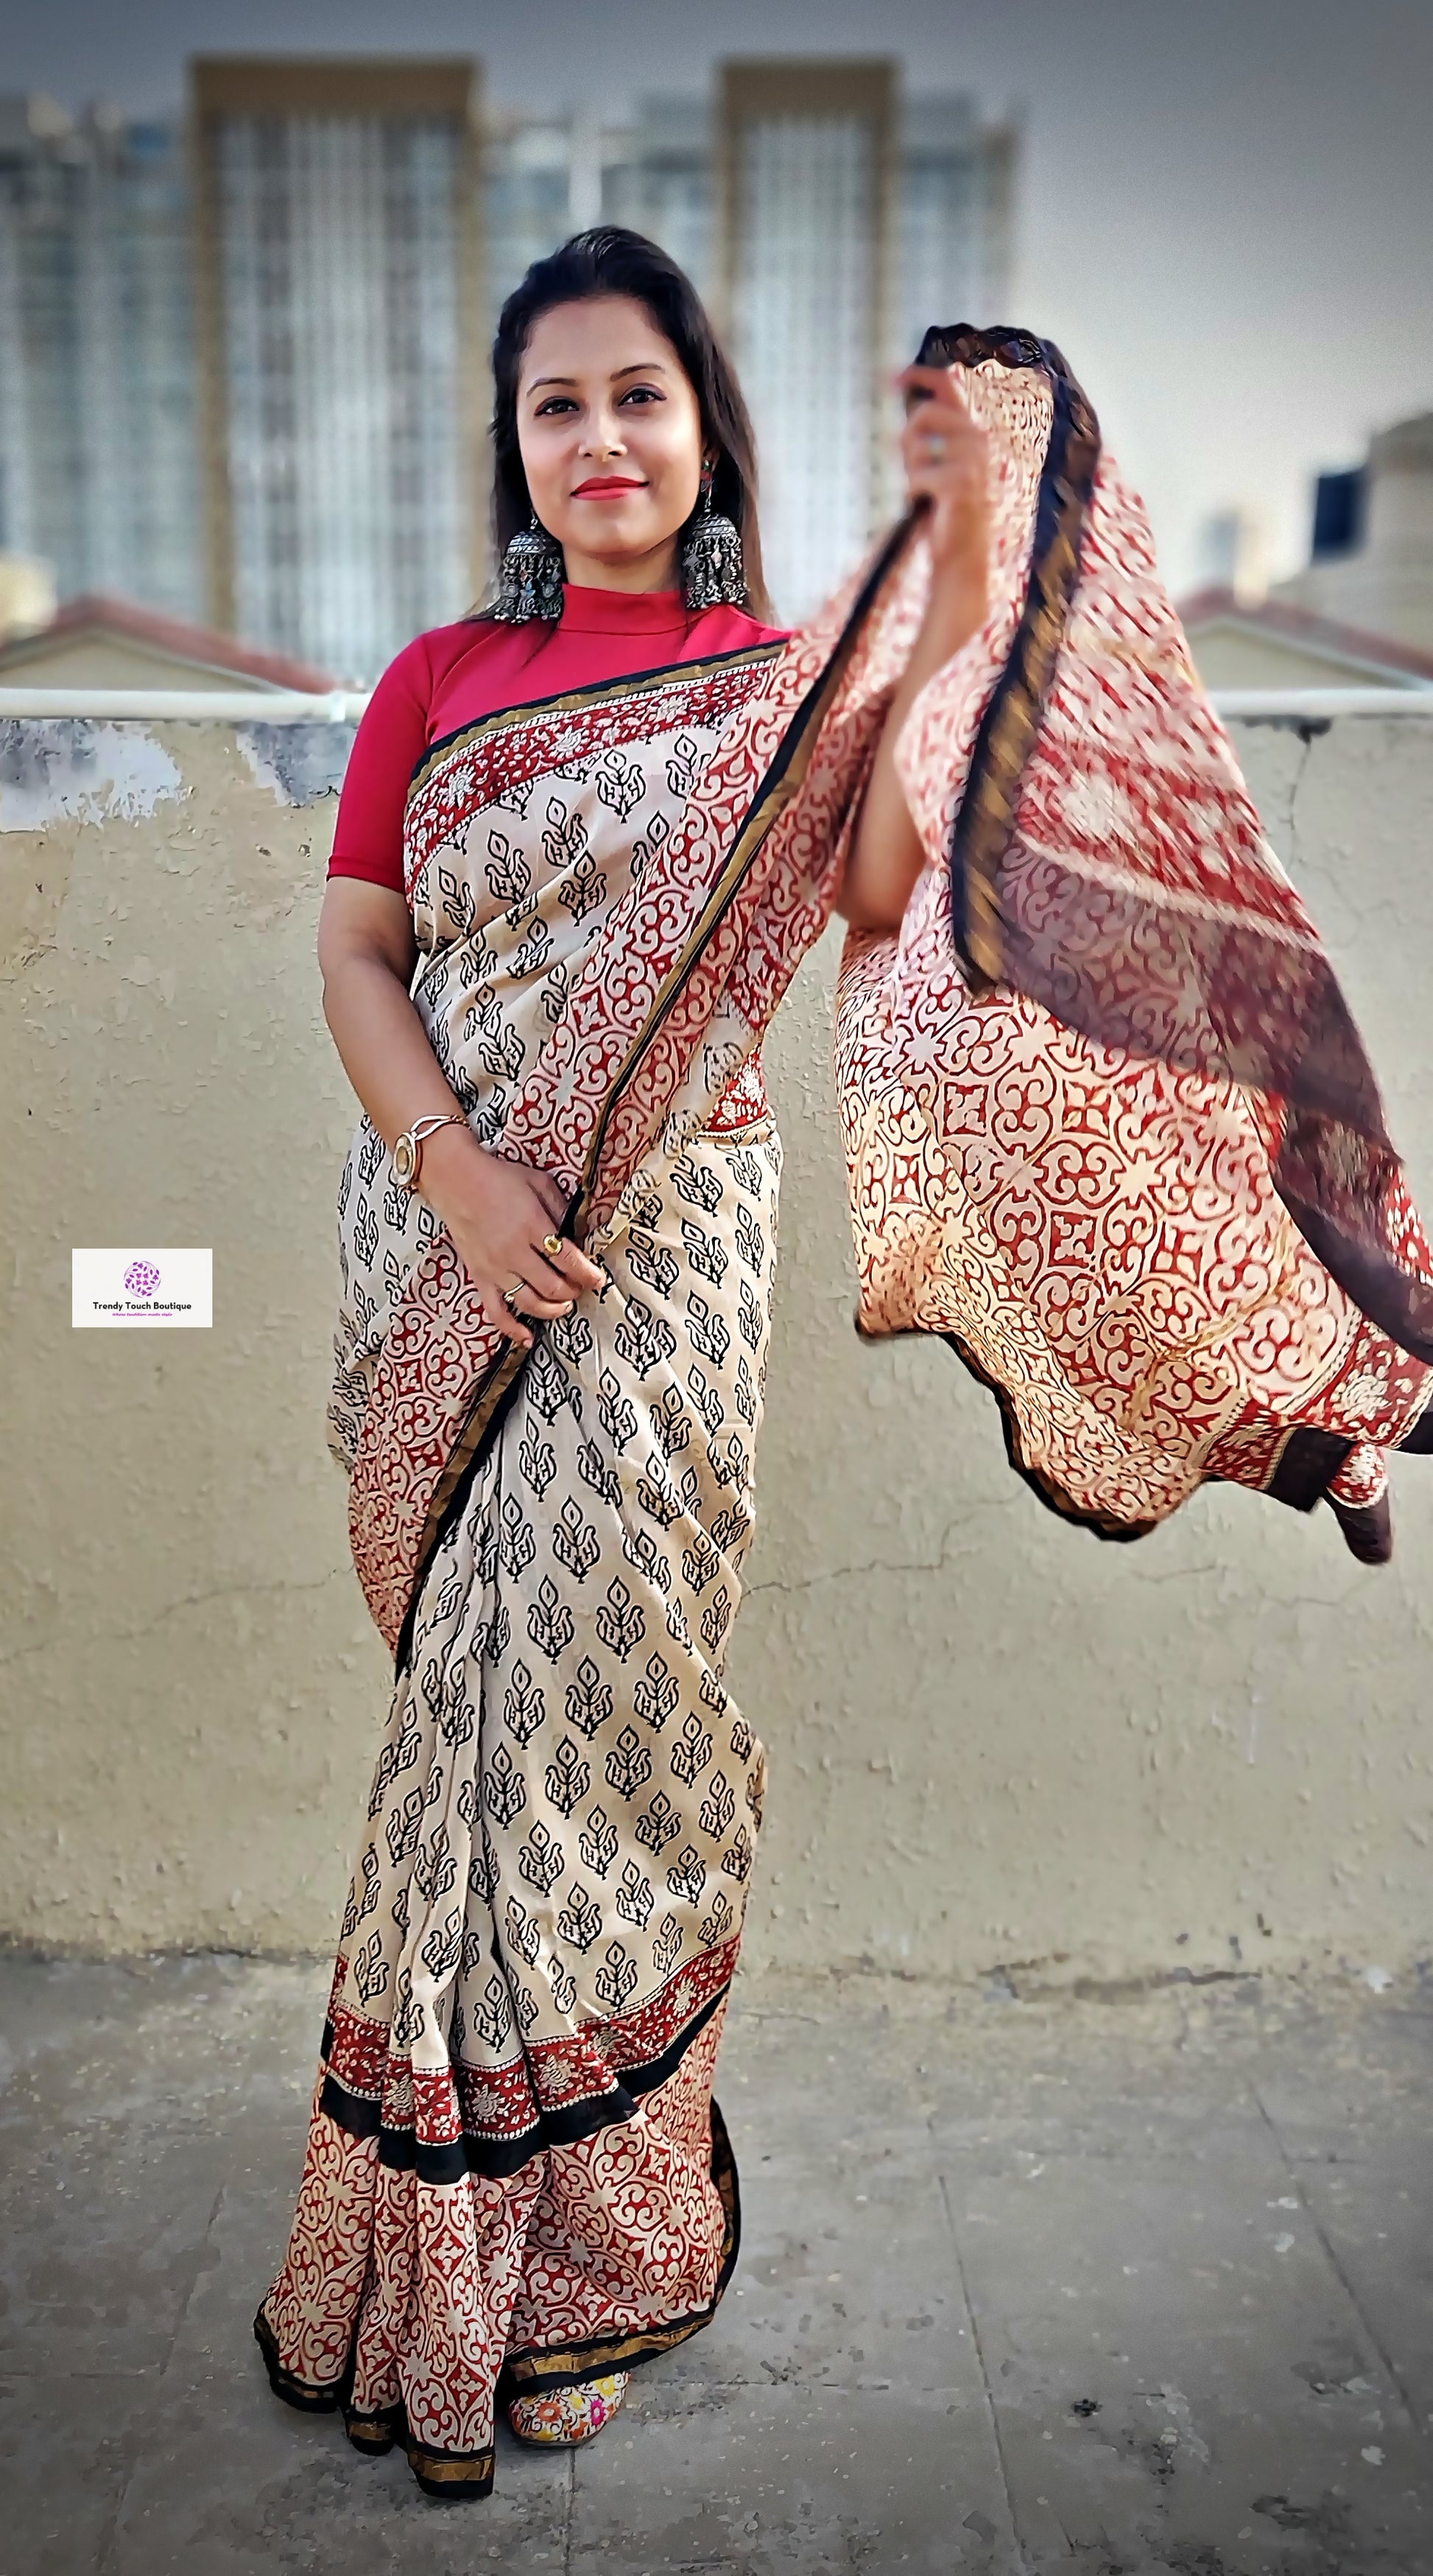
(1109, 1131)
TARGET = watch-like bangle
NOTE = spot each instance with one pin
(408, 1152)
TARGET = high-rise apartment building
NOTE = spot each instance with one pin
(342, 334)
(98, 452)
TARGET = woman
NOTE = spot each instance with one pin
(599, 827)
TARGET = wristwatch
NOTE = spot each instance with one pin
(408, 1152)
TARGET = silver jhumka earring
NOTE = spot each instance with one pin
(713, 575)
(530, 578)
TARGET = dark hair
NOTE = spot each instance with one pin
(609, 260)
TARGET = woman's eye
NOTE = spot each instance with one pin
(555, 403)
(642, 393)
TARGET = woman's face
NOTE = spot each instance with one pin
(610, 436)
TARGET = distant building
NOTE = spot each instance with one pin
(342, 334)
(1273, 643)
(1372, 555)
(98, 452)
(828, 218)
(98, 643)
(244, 367)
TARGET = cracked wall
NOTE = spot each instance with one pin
(992, 1740)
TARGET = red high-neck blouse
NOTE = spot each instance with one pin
(452, 675)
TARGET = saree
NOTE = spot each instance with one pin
(1131, 1169)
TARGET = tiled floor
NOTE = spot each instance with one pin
(1136, 2287)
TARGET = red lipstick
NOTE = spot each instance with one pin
(601, 487)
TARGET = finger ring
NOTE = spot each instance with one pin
(510, 1293)
(552, 1246)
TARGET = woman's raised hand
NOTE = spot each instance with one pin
(503, 1218)
(946, 456)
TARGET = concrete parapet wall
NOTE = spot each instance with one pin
(993, 1740)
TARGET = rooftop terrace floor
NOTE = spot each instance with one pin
(1128, 2285)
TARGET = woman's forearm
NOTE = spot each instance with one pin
(388, 1058)
(886, 854)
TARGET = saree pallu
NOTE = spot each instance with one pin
(1110, 1133)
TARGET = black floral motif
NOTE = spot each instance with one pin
(706, 1252)
(736, 1863)
(682, 762)
(643, 1339)
(504, 1788)
(583, 889)
(550, 1623)
(629, 1764)
(635, 1897)
(540, 1859)
(620, 1623)
(641, 1549)
(706, 1330)
(691, 1754)
(563, 1984)
(580, 1921)
(410, 2019)
(575, 1542)
(718, 1807)
(594, 1470)
(508, 874)
(673, 1426)
(656, 1695)
(523, 1933)
(667, 1944)
(617, 1416)
(434, 1868)
(730, 1528)
(537, 1460)
(749, 1319)
(656, 1494)
(401, 1831)
(617, 1978)
(750, 1241)
(745, 1392)
(564, 839)
(516, 1545)
(544, 1382)
(742, 1740)
(492, 2017)
(697, 1185)
(570, 1336)
(568, 1778)
(620, 783)
(715, 1926)
(658, 1825)
(707, 1400)
(652, 1263)
(370, 1969)
(700, 1563)
(442, 1950)
(524, 1709)
(398, 1756)
(483, 1869)
(597, 1843)
(716, 1618)
(589, 1698)
(687, 1876)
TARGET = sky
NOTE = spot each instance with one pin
(1224, 210)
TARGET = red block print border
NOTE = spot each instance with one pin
(447, 2120)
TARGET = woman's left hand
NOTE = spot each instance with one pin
(946, 456)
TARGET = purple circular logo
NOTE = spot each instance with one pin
(141, 1279)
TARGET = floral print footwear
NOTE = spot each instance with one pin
(569, 2415)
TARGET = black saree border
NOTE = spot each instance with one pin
(629, 684)
(536, 2371)
(778, 784)
(985, 816)
(497, 2159)
(1306, 1461)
